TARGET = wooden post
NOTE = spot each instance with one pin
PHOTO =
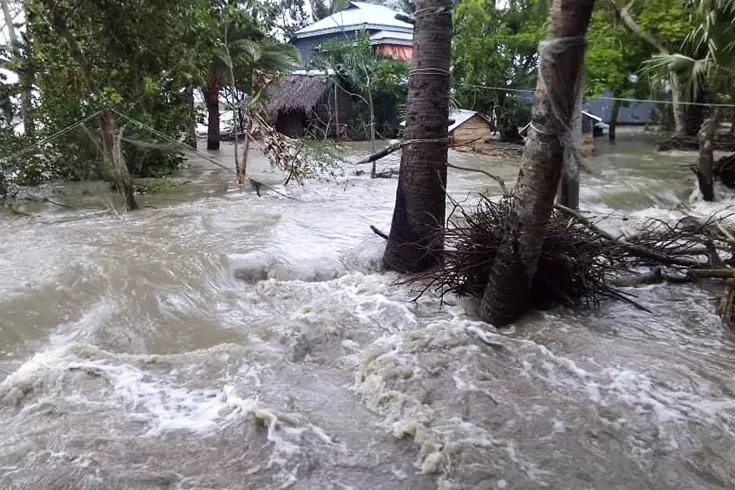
(336, 112)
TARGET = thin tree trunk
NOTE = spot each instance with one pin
(212, 96)
(111, 153)
(113, 158)
(705, 177)
(372, 127)
(420, 198)
(614, 120)
(569, 186)
(191, 129)
(696, 114)
(26, 78)
(557, 90)
(679, 109)
(336, 113)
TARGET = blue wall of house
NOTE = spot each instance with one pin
(631, 114)
(306, 45)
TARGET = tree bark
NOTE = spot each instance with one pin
(705, 167)
(421, 197)
(113, 158)
(111, 153)
(569, 186)
(614, 120)
(696, 114)
(557, 91)
(212, 96)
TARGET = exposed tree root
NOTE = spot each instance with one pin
(581, 264)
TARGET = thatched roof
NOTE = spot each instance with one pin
(298, 93)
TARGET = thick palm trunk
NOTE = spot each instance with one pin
(557, 90)
(614, 120)
(114, 160)
(212, 91)
(705, 169)
(420, 198)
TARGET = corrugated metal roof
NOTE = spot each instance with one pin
(460, 117)
(356, 17)
(398, 36)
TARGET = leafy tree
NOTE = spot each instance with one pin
(239, 47)
(613, 58)
(134, 57)
(706, 65)
(497, 47)
(663, 25)
(324, 8)
(379, 83)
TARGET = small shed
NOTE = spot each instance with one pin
(309, 103)
(592, 123)
(468, 127)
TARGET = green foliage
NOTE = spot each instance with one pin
(706, 58)
(497, 47)
(613, 55)
(324, 8)
(142, 55)
(379, 83)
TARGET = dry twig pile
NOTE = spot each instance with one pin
(580, 264)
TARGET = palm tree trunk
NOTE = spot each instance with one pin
(705, 168)
(614, 120)
(212, 96)
(420, 198)
(557, 90)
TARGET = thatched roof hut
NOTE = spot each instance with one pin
(304, 103)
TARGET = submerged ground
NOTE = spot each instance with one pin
(132, 357)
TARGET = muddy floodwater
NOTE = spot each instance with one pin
(220, 340)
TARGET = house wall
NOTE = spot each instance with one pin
(631, 114)
(475, 129)
(306, 46)
(291, 123)
(323, 122)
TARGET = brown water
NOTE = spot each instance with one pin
(133, 358)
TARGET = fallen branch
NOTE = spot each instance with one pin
(724, 273)
(381, 153)
(633, 248)
(378, 232)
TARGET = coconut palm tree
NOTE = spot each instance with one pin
(707, 66)
(557, 89)
(420, 198)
